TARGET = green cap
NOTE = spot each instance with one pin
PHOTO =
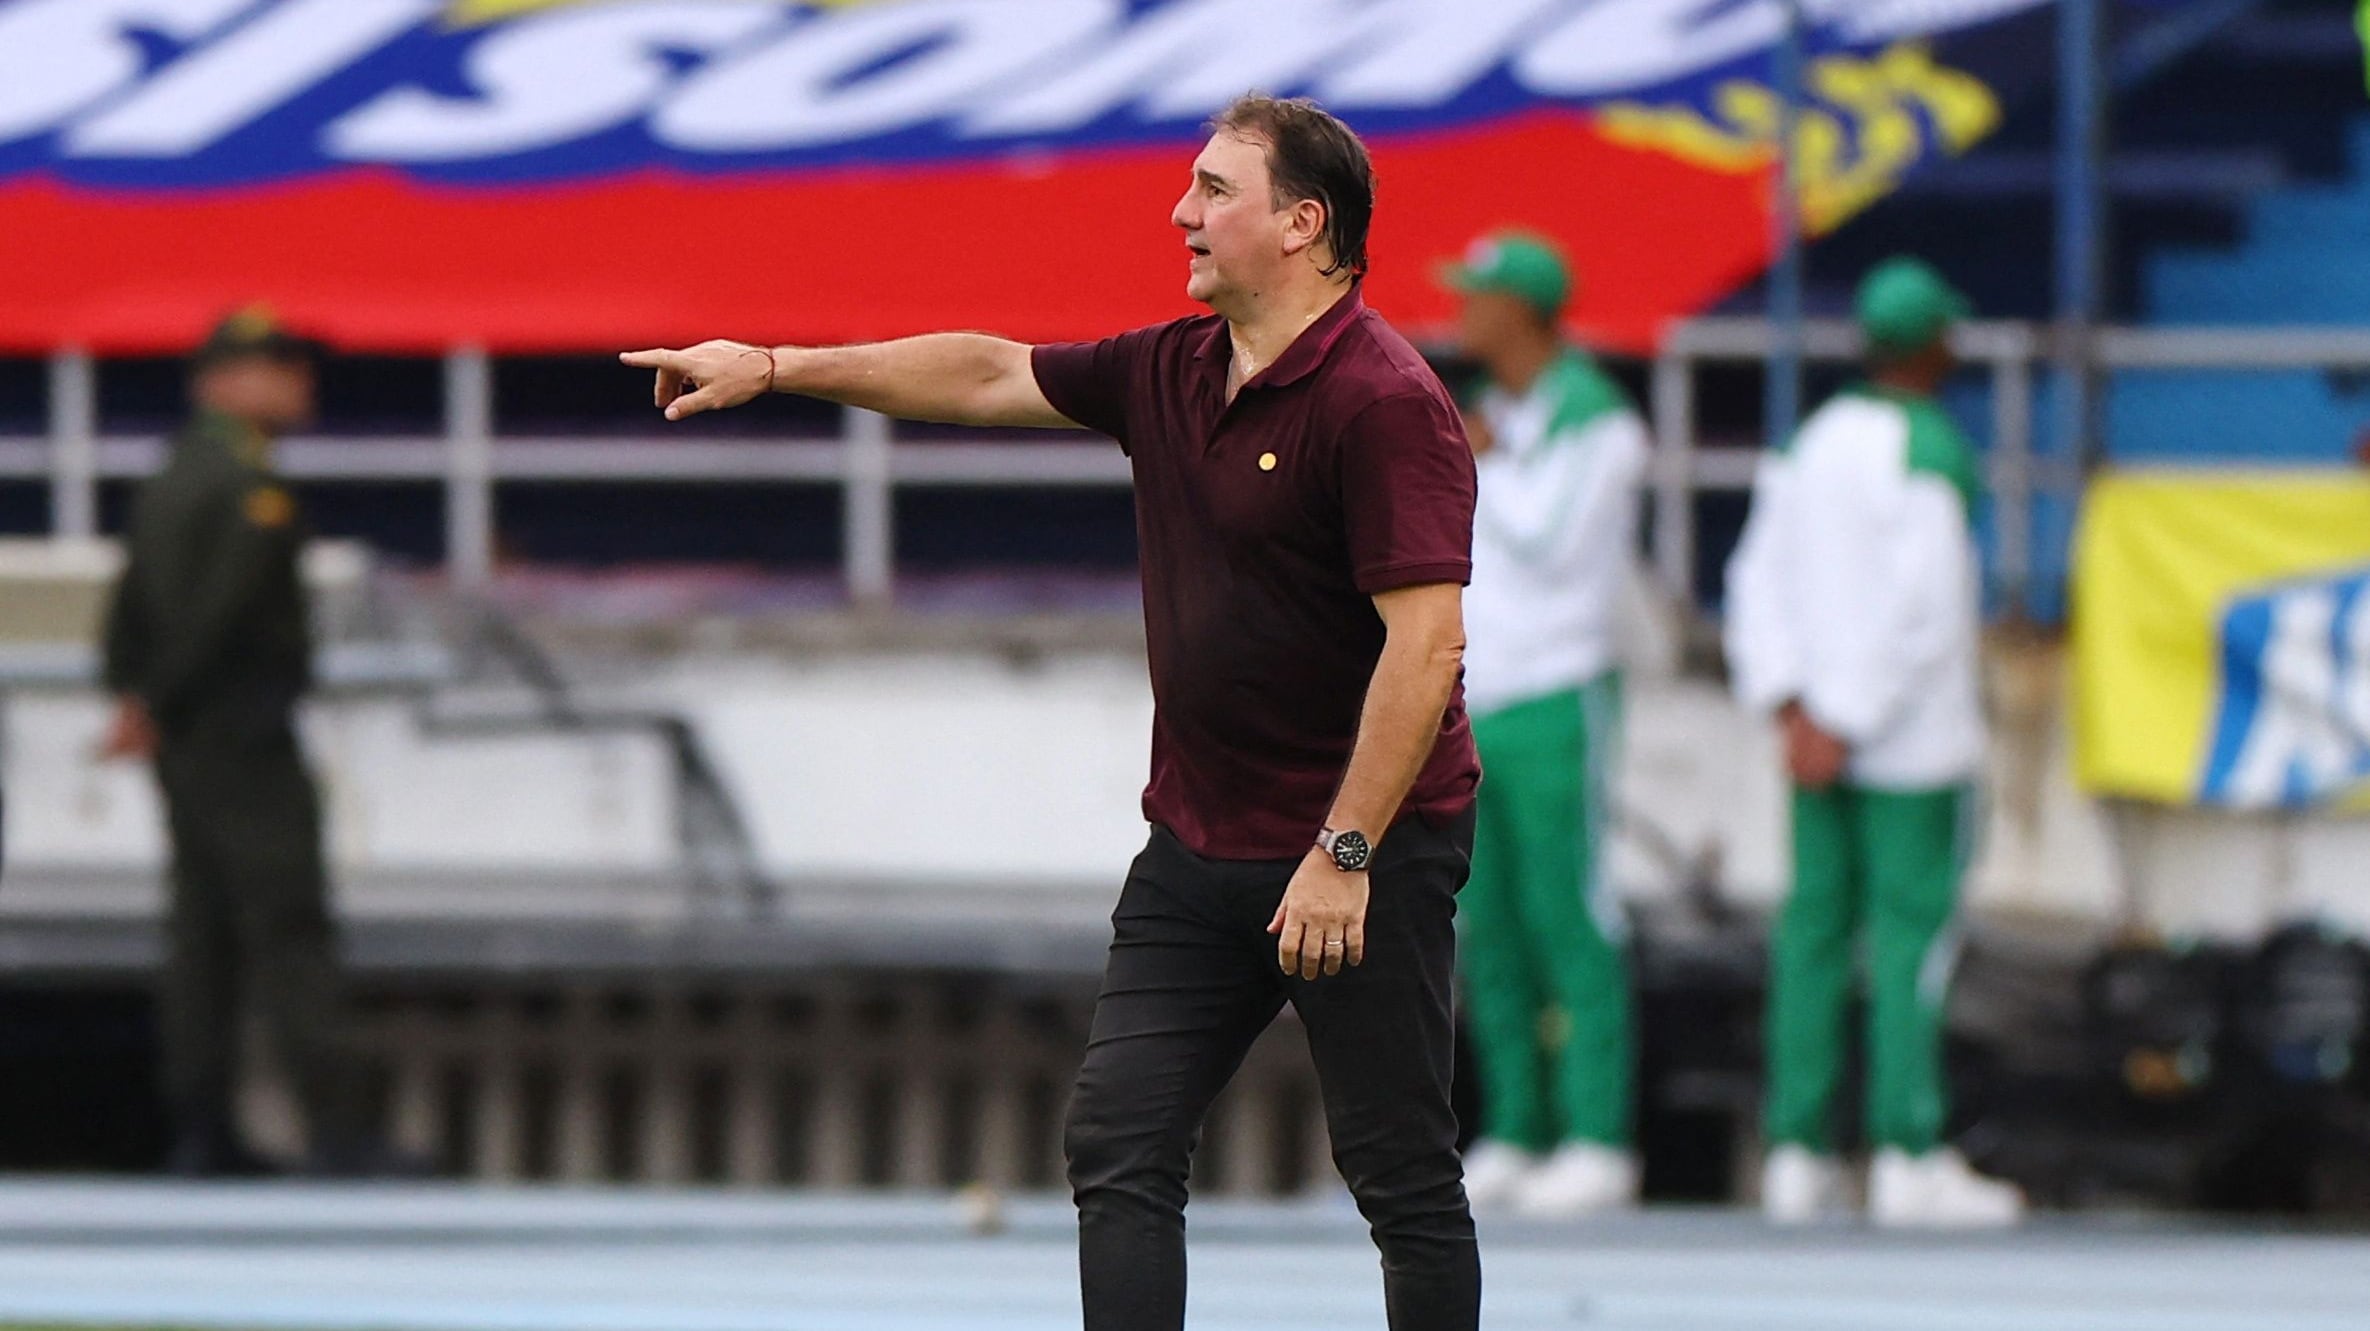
(1515, 263)
(1904, 305)
(255, 331)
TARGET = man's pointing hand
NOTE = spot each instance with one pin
(708, 377)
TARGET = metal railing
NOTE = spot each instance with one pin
(2010, 354)
(1683, 467)
(470, 460)
(912, 1082)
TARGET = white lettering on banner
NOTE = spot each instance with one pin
(59, 57)
(1885, 20)
(1181, 61)
(548, 80)
(1188, 60)
(1259, 48)
(1631, 45)
(834, 74)
(2294, 729)
(1428, 53)
(813, 85)
(2353, 687)
(206, 96)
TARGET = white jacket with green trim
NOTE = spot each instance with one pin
(1857, 590)
(1554, 533)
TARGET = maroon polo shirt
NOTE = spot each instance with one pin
(1265, 528)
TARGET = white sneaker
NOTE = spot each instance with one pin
(1494, 1174)
(1938, 1190)
(1798, 1186)
(1580, 1179)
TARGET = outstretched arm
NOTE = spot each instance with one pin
(957, 378)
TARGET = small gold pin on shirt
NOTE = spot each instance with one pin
(1267, 462)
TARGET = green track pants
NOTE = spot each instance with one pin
(1876, 882)
(1546, 982)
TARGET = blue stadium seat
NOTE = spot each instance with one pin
(2301, 262)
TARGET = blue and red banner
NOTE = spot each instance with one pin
(550, 174)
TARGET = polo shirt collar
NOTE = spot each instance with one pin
(1307, 352)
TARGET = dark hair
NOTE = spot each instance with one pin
(1312, 155)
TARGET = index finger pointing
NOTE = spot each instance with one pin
(657, 358)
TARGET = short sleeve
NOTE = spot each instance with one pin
(1407, 487)
(1092, 382)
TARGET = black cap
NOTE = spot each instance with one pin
(256, 331)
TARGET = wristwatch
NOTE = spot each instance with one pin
(1350, 850)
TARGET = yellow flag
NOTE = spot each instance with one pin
(2222, 638)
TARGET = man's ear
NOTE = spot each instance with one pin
(1305, 227)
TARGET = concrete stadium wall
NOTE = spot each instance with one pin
(968, 771)
(394, 799)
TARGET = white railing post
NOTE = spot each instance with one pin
(73, 445)
(868, 531)
(2012, 472)
(1674, 470)
(469, 470)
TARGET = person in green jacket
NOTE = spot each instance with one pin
(1854, 622)
(1560, 454)
(208, 651)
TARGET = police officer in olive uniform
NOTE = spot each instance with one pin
(208, 651)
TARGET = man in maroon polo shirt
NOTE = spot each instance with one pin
(1304, 503)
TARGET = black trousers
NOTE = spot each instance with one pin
(249, 918)
(1191, 981)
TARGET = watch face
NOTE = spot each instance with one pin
(1350, 851)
